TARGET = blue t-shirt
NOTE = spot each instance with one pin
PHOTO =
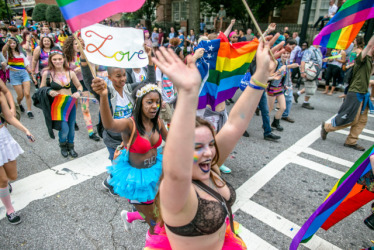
(182, 40)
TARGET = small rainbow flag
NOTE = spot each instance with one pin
(222, 68)
(343, 28)
(82, 13)
(61, 107)
(25, 21)
(344, 198)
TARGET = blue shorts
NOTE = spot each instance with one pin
(18, 77)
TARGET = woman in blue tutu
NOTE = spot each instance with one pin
(137, 170)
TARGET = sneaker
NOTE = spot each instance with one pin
(109, 187)
(323, 131)
(307, 105)
(76, 128)
(296, 97)
(10, 188)
(30, 115)
(287, 119)
(225, 169)
(126, 223)
(356, 147)
(227, 103)
(94, 137)
(22, 108)
(13, 218)
(230, 100)
(246, 134)
(272, 137)
(257, 112)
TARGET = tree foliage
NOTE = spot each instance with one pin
(147, 11)
(53, 14)
(3, 11)
(235, 8)
(38, 14)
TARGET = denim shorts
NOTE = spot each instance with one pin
(18, 77)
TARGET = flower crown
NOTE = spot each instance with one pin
(146, 89)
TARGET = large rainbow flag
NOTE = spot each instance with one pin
(222, 68)
(61, 107)
(82, 13)
(25, 21)
(345, 197)
(343, 28)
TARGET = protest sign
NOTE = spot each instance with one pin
(114, 47)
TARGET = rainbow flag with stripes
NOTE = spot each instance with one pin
(345, 197)
(222, 68)
(25, 21)
(82, 13)
(61, 107)
(343, 28)
(16, 63)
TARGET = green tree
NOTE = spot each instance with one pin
(235, 8)
(38, 14)
(147, 11)
(194, 15)
(3, 11)
(53, 14)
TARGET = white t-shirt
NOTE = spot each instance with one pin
(14, 66)
(123, 107)
(332, 9)
(141, 76)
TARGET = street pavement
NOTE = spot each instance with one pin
(279, 185)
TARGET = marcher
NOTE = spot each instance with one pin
(40, 56)
(191, 184)
(9, 151)
(354, 111)
(60, 79)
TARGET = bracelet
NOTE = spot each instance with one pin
(80, 92)
(260, 84)
(83, 60)
(254, 86)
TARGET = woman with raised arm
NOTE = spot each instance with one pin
(136, 172)
(9, 151)
(40, 56)
(194, 201)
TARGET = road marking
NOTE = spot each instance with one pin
(318, 167)
(370, 115)
(368, 131)
(253, 241)
(363, 137)
(328, 157)
(283, 225)
(49, 182)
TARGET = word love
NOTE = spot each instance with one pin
(118, 56)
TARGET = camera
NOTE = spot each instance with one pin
(369, 221)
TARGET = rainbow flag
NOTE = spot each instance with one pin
(16, 63)
(82, 13)
(343, 28)
(61, 107)
(25, 21)
(345, 197)
(222, 68)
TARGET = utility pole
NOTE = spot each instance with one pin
(304, 26)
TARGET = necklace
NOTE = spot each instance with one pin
(149, 134)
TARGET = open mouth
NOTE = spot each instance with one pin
(205, 166)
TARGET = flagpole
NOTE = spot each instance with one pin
(256, 25)
(93, 71)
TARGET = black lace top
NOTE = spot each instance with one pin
(209, 217)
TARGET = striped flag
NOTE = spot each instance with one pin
(343, 28)
(82, 13)
(222, 68)
(345, 197)
(25, 21)
(61, 107)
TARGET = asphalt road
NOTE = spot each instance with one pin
(279, 185)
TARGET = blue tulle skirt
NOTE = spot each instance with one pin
(134, 183)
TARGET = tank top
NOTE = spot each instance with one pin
(43, 59)
(17, 63)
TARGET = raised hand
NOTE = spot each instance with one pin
(184, 77)
(99, 86)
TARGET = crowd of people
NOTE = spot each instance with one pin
(180, 192)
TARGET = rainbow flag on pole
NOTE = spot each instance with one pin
(25, 21)
(61, 107)
(345, 197)
(82, 13)
(222, 68)
(343, 28)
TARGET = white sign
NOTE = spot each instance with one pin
(115, 47)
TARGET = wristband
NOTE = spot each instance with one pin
(260, 84)
(80, 92)
(83, 60)
(254, 86)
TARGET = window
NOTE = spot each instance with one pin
(179, 10)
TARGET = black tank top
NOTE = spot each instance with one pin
(55, 86)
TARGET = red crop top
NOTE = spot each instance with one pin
(142, 145)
